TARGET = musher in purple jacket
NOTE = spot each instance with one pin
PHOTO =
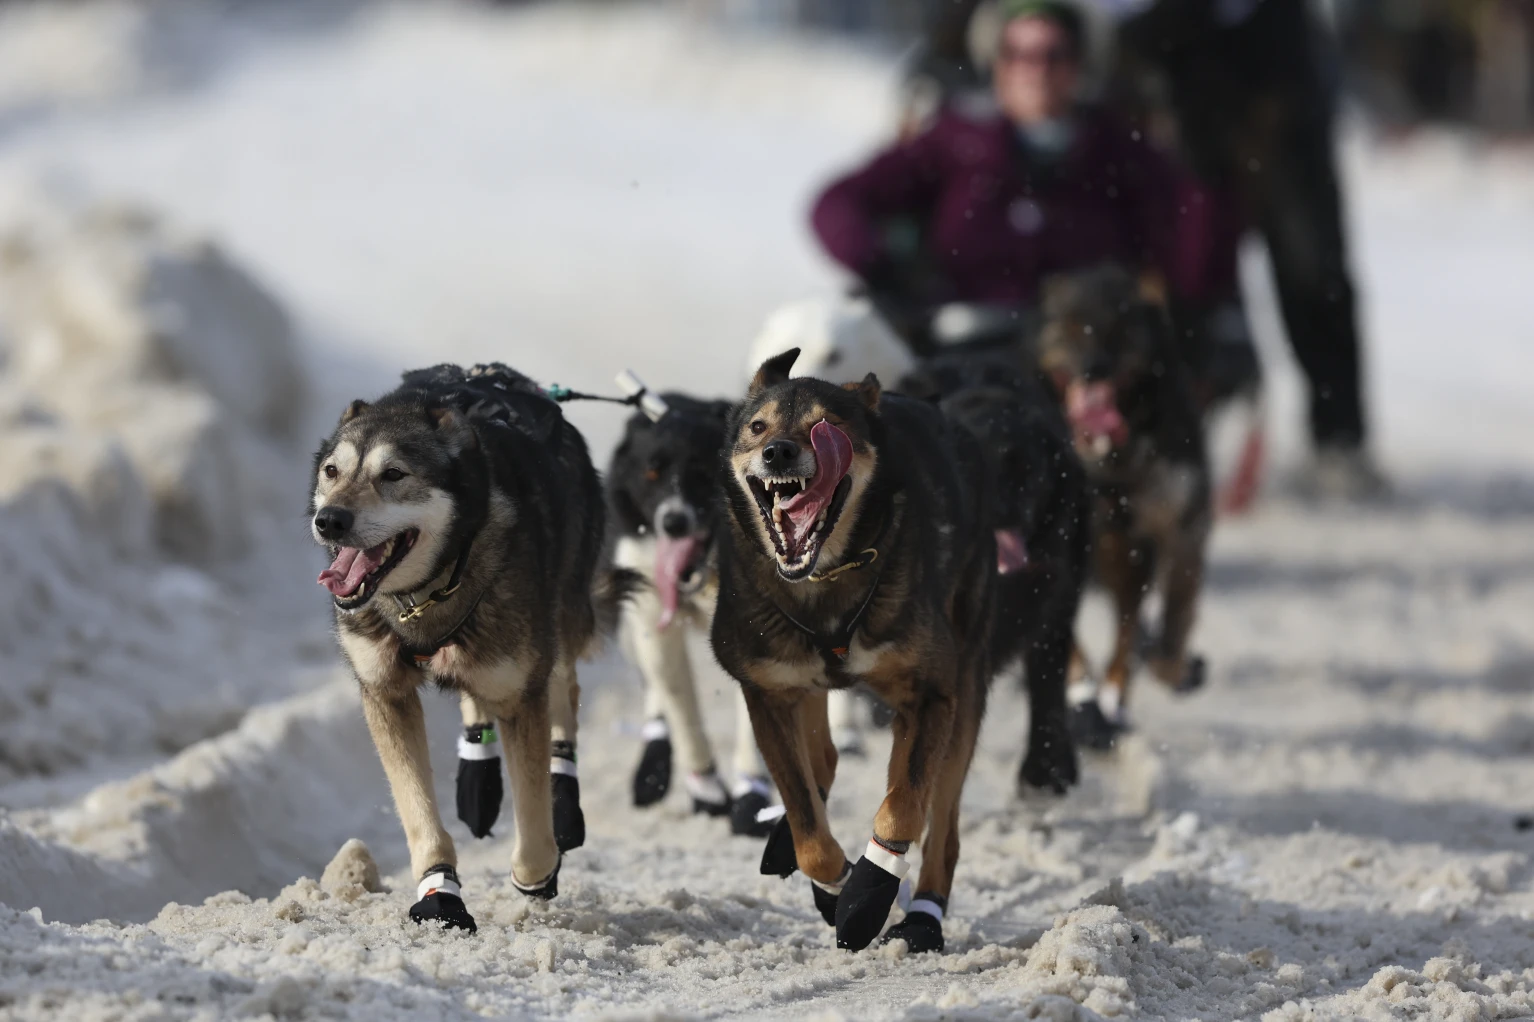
(1001, 192)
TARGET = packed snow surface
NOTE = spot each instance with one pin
(218, 225)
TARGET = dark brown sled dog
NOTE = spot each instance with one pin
(859, 549)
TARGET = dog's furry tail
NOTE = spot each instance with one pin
(612, 589)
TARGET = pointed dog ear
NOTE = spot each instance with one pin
(868, 391)
(451, 420)
(773, 371)
(353, 410)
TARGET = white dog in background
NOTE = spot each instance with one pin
(840, 340)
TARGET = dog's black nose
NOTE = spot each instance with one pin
(332, 522)
(780, 454)
(675, 524)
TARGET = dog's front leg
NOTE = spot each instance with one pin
(1180, 587)
(923, 725)
(778, 719)
(398, 728)
(525, 736)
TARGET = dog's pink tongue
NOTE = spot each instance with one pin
(1094, 412)
(833, 457)
(350, 567)
(1011, 551)
(672, 556)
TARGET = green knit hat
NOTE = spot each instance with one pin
(1063, 13)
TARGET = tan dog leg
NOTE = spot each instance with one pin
(778, 723)
(1181, 584)
(525, 738)
(662, 659)
(921, 729)
(1125, 573)
(398, 728)
(564, 707)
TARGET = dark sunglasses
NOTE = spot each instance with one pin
(1040, 56)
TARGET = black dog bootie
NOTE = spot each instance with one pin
(868, 895)
(569, 821)
(749, 815)
(652, 779)
(480, 787)
(922, 927)
(440, 900)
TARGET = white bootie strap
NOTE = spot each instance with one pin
(541, 885)
(932, 908)
(487, 749)
(438, 882)
(707, 788)
(560, 765)
(894, 865)
(655, 730)
(841, 881)
(750, 785)
(772, 814)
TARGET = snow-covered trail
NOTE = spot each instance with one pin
(575, 193)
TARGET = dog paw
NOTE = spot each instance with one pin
(480, 785)
(920, 931)
(569, 821)
(867, 897)
(440, 900)
(709, 796)
(1091, 727)
(778, 856)
(750, 815)
(825, 901)
(1180, 674)
(1050, 765)
(652, 780)
(544, 890)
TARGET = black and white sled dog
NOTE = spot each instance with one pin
(465, 523)
(662, 495)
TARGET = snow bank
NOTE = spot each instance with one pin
(149, 391)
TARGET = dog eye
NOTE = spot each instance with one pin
(758, 427)
(330, 472)
(392, 475)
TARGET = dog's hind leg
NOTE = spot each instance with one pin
(564, 781)
(398, 728)
(479, 789)
(535, 856)
(922, 927)
(922, 730)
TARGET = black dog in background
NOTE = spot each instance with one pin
(1042, 511)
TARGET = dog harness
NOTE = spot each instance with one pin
(835, 648)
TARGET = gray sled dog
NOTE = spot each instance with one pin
(663, 493)
(465, 522)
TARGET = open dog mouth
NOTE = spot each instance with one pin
(1098, 425)
(800, 512)
(354, 576)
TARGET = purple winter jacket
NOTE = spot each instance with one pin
(995, 222)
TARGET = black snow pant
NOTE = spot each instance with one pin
(1254, 111)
